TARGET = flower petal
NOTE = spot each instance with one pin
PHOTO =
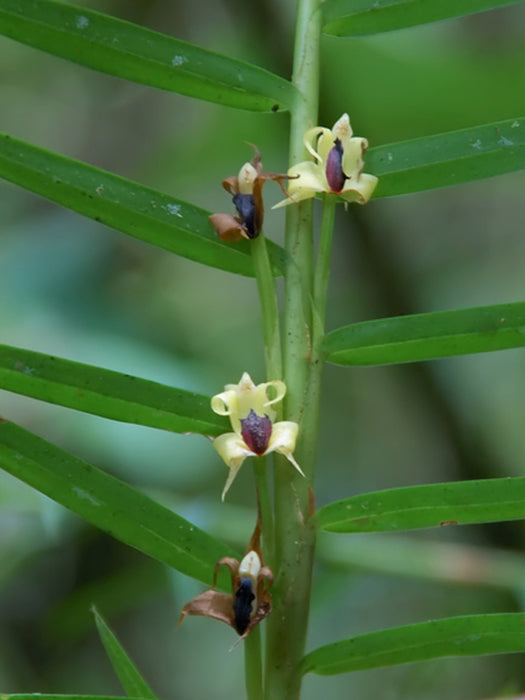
(284, 437)
(311, 180)
(353, 156)
(359, 191)
(342, 129)
(246, 178)
(212, 604)
(227, 227)
(225, 403)
(233, 451)
(312, 137)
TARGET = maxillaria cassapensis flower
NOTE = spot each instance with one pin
(249, 602)
(251, 413)
(338, 168)
(246, 189)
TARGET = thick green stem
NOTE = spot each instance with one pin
(294, 532)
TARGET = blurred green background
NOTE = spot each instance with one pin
(73, 288)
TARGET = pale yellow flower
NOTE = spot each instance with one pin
(251, 413)
(338, 168)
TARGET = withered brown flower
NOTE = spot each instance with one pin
(246, 191)
(249, 602)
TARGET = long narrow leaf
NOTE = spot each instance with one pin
(130, 677)
(106, 393)
(132, 52)
(109, 503)
(448, 159)
(46, 696)
(432, 505)
(355, 17)
(428, 336)
(470, 635)
(126, 206)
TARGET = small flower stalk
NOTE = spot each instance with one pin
(249, 602)
(252, 416)
(338, 166)
(246, 191)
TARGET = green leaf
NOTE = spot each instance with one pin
(110, 504)
(124, 205)
(457, 503)
(134, 53)
(469, 635)
(131, 679)
(356, 17)
(106, 393)
(46, 696)
(427, 336)
(448, 159)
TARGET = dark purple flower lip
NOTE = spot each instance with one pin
(334, 167)
(256, 432)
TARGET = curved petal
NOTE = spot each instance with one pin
(359, 191)
(311, 180)
(284, 437)
(225, 403)
(312, 137)
(325, 145)
(353, 156)
(280, 391)
(227, 227)
(214, 604)
(233, 451)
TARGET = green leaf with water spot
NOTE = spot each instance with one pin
(128, 51)
(110, 504)
(357, 17)
(469, 635)
(451, 158)
(105, 393)
(427, 336)
(141, 212)
(431, 505)
(129, 676)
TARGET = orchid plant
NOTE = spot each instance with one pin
(270, 425)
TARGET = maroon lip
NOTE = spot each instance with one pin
(256, 432)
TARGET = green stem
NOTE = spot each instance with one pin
(265, 507)
(294, 531)
(269, 309)
(274, 370)
(322, 270)
(253, 666)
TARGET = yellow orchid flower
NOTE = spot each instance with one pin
(338, 169)
(251, 413)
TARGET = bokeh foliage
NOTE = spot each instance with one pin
(78, 290)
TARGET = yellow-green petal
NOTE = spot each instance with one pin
(283, 439)
(233, 451)
(359, 191)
